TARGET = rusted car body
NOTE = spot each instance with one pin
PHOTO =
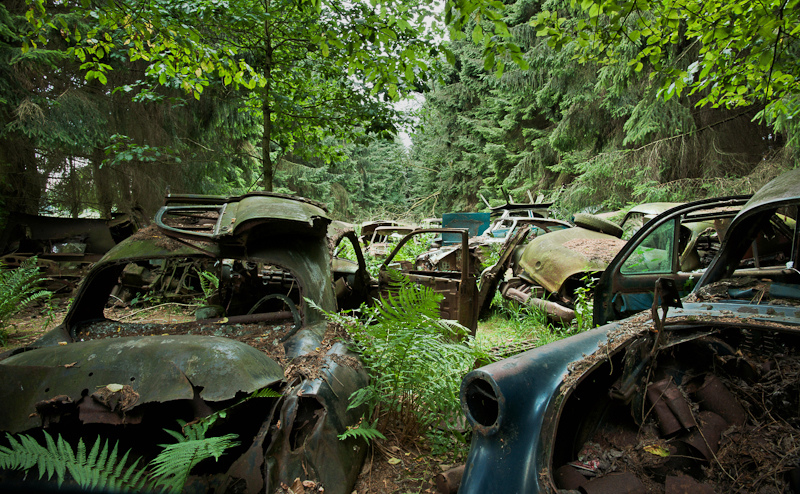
(678, 244)
(552, 267)
(64, 247)
(458, 283)
(272, 256)
(384, 237)
(696, 395)
(467, 288)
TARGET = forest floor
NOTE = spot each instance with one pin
(392, 466)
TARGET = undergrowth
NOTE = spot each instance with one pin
(416, 361)
(101, 467)
(19, 287)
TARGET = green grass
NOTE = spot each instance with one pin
(513, 325)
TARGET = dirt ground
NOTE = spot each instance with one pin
(391, 466)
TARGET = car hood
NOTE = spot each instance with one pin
(552, 258)
(144, 369)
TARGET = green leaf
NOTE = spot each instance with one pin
(488, 61)
(477, 33)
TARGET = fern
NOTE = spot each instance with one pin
(171, 467)
(366, 432)
(415, 361)
(100, 469)
(18, 289)
(209, 283)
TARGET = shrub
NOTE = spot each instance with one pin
(415, 360)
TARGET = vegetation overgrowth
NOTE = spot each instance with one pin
(19, 288)
(415, 361)
(570, 102)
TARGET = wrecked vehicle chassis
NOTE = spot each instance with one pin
(689, 414)
(93, 376)
(698, 395)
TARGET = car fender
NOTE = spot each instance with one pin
(509, 399)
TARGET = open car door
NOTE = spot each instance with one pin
(458, 284)
(678, 244)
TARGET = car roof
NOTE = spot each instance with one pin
(781, 191)
(235, 215)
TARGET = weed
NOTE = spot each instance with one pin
(584, 304)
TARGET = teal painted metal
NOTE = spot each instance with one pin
(475, 223)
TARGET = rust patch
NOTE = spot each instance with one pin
(51, 410)
(117, 400)
(595, 249)
(310, 365)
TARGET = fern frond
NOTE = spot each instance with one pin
(18, 289)
(57, 458)
(171, 467)
(266, 393)
(367, 433)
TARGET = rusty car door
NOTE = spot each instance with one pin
(458, 285)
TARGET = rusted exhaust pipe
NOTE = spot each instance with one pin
(554, 310)
(448, 482)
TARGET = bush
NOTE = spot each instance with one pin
(415, 360)
(18, 289)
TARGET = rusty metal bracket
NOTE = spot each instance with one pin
(666, 293)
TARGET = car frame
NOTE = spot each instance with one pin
(272, 255)
(592, 412)
(553, 267)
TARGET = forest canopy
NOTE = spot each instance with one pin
(592, 104)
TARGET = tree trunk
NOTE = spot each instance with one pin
(267, 110)
(102, 184)
(22, 185)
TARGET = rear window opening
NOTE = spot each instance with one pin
(233, 286)
(257, 303)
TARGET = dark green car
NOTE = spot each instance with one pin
(94, 376)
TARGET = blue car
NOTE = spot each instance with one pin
(696, 394)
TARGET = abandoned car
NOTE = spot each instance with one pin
(554, 267)
(94, 376)
(698, 395)
(65, 248)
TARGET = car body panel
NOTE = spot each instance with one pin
(550, 259)
(161, 368)
(529, 389)
(624, 289)
(507, 225)
(458, 285)
(474, 223)
(384, 237)
(64, 247)
(501, 446)
(639, 215)
(130, 381)
(594, 411)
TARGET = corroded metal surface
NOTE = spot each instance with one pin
(271, 254)
(158, 368)
(549, 263)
